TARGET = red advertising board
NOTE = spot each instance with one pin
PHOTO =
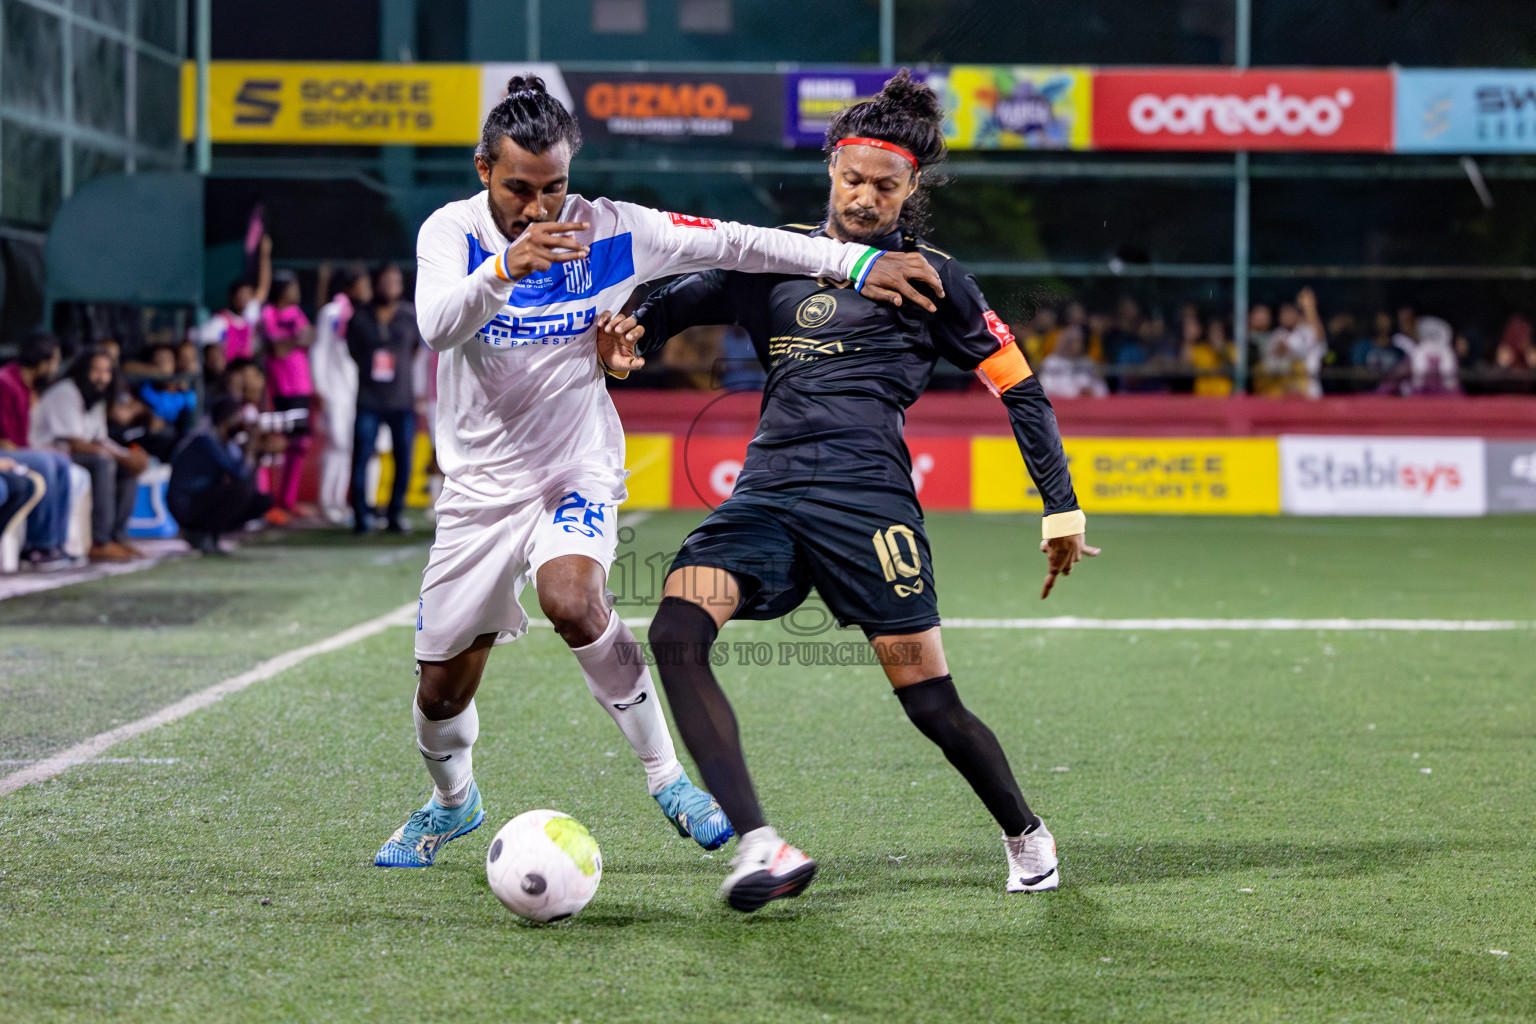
(705, 467)
(1232, 110)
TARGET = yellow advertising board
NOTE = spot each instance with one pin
(648, 457)
(1011, 107)
(1184, 476)
(331, 104)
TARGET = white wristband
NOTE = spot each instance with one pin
(1063, 524)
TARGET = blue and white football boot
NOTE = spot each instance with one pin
(695, 814)
(415, 844)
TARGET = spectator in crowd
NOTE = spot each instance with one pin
(335, 378)
(693, 357)
(170, 399)
(1209, 354)
(1068, 373)
(233, 329)
(1040, 335)
(740, 369)
(20, 383)
(214, 365)
(72, 416)
(212, 488)
(17, 487)
(1432, 362)
(1515, 351)
(286, 334)
(1292, 357)
(1379, 354)
(383, 338)
(1075, 318)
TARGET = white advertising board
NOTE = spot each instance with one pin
(1382, 476)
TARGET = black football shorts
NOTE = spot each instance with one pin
(869, 560)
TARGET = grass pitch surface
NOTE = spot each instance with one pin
(1253, 826)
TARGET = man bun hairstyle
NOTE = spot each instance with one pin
(909, 114)
(530, 117)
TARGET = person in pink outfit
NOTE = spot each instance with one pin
(287, 335)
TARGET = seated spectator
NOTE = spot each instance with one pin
(173, 401)
(1210, 356)
(72, 417)
(20, 383)
(739, 366)
(1125, 333)
(212, 488)
(1068, 373)
(132, 423)
(1515, 351)
(17, 487)
(1433, 360)
(1089, 332)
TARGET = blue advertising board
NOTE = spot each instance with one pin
(1465, 111)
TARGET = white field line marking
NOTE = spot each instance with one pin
(1261, 625)
(11, 762)
(89, 750)
(1347, 625)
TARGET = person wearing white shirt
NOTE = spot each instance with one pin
(335, 380)
(512, 287)
(72, 417)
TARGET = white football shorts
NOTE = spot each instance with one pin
(483, 558)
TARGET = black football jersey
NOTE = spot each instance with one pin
(842, 370)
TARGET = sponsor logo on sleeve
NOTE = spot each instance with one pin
(997, 328)
(682, 220)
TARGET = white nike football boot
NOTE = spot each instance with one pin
(765, 868)
(1032, 861)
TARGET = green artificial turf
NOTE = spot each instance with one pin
(1246, 824)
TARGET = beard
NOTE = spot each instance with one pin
(858, 225)
(91, 394)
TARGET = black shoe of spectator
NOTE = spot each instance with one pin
(398, 526)
(51, 560)
(207, 543)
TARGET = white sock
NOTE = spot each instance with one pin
(618, 677)
(446, 750)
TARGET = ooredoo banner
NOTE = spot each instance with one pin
(1382, 476)
(1233, 110)
(668, 105)
(1480, 110)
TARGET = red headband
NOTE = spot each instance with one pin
(879, 144)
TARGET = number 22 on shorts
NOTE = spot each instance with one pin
(576, 514)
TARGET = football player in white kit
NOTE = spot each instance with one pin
(512, 287)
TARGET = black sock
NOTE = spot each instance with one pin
(935, 708)
(681, 634)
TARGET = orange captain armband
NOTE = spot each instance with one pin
(1004, 368)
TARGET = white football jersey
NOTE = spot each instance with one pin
(522, 408)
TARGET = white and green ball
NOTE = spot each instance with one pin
(544, 866)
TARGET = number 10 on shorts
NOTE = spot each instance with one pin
(896, 547)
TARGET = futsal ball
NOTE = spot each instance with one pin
(544, 866)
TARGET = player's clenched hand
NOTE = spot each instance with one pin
(893, 276)
(616, 337)
(1063, 553)
(542, 245)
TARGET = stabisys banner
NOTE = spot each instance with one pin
(1481, 110)
(1212, 109)
(668, 105)
(1382, 476)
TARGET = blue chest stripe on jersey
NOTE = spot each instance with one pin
(609, 262)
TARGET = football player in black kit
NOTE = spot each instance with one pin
(825, 497)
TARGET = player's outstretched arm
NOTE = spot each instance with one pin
(670, 243)
(451, 306)
(973, 337)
